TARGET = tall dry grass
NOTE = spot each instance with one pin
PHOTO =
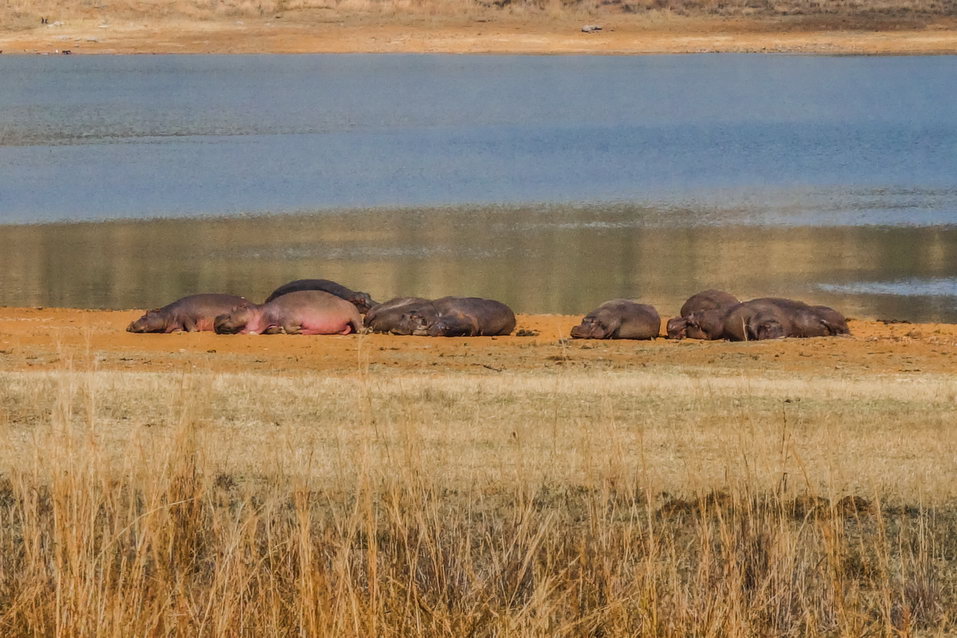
(655, 503)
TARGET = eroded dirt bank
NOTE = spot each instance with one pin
(51, 338)
(313, 32)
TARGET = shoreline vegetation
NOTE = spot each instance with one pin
(885, 27)
(371, 485)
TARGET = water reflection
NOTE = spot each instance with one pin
(537, 259)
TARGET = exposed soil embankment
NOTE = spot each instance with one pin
(533, 33)
(52, 338)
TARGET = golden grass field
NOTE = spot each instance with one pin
(368, 485)
(478, 26)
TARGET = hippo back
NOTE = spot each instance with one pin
(361, 300)
(708, 300)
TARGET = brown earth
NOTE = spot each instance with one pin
(52, 338)
(314, 32)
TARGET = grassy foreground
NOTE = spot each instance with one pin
(643, 502)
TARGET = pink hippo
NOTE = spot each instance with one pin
(306, 312)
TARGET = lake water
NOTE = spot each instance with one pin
(551, 183)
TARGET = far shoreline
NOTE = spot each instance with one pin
(308, 33)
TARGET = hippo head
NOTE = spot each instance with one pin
(677, 328)
(152, 321)
(362, 301)
(412, 323)
(707, 324)
(766, 327)
(233, 321)
(590, 328)
(451, 326)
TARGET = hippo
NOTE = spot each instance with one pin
(454, 317)
(388, 316)
(817, 321)
(463, 317)
(774, 317)
(189, 314)
(306, 312)
(619, 319)
(759, 319)
(361, 300)
(702, 316)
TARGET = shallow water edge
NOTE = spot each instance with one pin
(539, 259)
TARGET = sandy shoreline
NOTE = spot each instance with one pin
(56, 339)
(627, 35)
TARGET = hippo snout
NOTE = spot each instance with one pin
(588, 329)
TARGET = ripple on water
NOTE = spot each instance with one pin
(912, 287)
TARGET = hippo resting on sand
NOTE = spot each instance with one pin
(445, 317)
(387, 316)
(307, 312)
(466, 317)
(702, 316)
(361, 300)
(619, 319)
(189, 314)
(774, 318)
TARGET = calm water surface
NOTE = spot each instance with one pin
(552, 183)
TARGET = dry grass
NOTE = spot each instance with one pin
(550, 504)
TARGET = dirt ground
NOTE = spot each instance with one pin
(316, 33)
(52, 338)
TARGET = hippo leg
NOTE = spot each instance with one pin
(276, 330)
(290, 328)
(189, 325)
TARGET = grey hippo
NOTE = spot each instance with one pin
(190, 314)
(619, 319)
(451, 317)
(702, 316)
(775, 317)
(387, 316)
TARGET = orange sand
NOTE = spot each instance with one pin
(52, 338)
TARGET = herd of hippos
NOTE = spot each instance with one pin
(320, 306)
